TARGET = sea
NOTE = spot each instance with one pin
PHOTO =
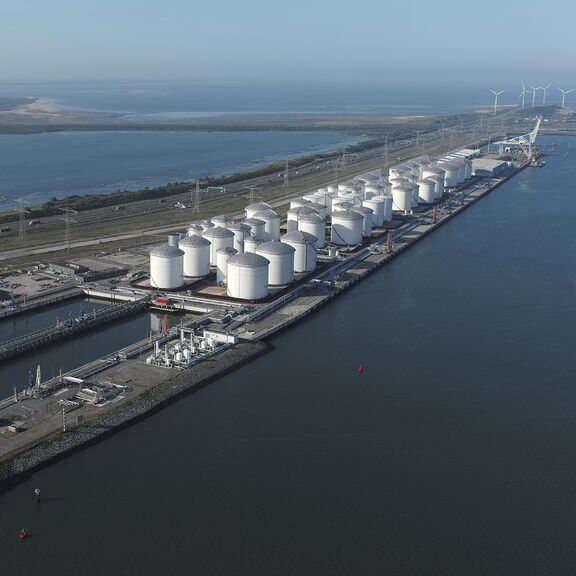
(452, 452)
(38, 167)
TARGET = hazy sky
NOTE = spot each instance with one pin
(262, 40)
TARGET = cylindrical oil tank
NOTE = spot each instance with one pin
(415, 195)
(240, 231)
(271, 223)
(196, 256)
(222, 220)
(367, 214)
(222, 257)
(450, 174)
(256, 207)
(166, 267)
(313, 224)
(194, 229)
(219, 238)
(340, 205)
(388, 202)
(372, 190)
(206, 224)
(251, 243)
(310, 197)
(298, 202)
(400, 181)
(305, 250)
(325, 199)
(256, 227)
(294, 214)
(173, 239)
(320, 208)
(438, 185)
(426, 190)
(376, 204)
(247, 276)
(402, 198)
(433, 172)
(346, 228)
(281, 258)
(398, 172)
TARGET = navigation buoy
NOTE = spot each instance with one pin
(360, 369)
(22, 534)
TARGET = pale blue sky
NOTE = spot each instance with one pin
(256, 40)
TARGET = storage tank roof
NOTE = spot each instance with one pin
(254, 222)
(403, 188)
(301, 211)
(258, 206)
(194, 241)
(227, 250)
(363, 210)
(310, 218)
(315, 205)
(248, 260)
(275, 247)
(425, 182)
(166, 251)
(347, 215)
(218, 232)
(299, 237)
(266, 215)
(239, 226)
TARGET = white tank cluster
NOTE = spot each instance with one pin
(222, 220)
(251, 243)
(347, 228)
(294, 214)
(247, 276)
(219, 238)
(281, 258)
(367, 214)
(402, 198)
(426, 190)
(166, 267)
(222, 257)
(196, 257)
(240, 230)
(304, 245)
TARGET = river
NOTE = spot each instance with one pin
(452, 453)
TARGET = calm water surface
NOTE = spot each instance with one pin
(453, 453)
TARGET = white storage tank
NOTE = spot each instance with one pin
(402, 198)
(222, 257)
(313, 224)
(294, 214)
(367, 214)
(219, 238)
(251, 243)
(309, 197)
(398, 172)
(346, 228)
(194, 229)
(166, 267)
(281, 258)
(240, 231)
(298, 202)
(372, 190)
(320, 208)
(426, 190)
(376, 204)
(271, 223)
(256, 207)
(388, 202)
(305, 250)
(222, 220)
(247, 276)
(206, 224)
(325, 199)
(450, 174)
(173, 239)
(340, 205)
(196, 256)
(256, 227)
(438, 185)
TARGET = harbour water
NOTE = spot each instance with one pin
(452, 453)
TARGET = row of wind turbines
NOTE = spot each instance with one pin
(533, 91)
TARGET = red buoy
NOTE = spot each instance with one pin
(22, 535)
(360, 369)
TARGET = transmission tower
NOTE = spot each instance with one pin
(252, 194)
(67, 221)
(196, 200)
(386, 153)
(22, 210)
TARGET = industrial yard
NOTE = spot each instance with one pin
(244, 278)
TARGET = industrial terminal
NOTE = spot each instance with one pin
(235, 279)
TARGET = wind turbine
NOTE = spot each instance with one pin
(522, 94)
(533, 95)
(496, 94)
(545, 88)
(564, 92)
